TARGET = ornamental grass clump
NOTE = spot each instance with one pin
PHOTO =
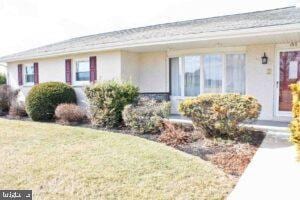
(146, 116)
(295, 123)
(174, 136)
(68, 113)
(107, 101)
(219, 115)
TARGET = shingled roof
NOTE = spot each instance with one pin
(163, 32)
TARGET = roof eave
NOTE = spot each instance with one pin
(255, 31)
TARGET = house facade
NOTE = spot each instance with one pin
(254, 53)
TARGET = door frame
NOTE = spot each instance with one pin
(277, 82)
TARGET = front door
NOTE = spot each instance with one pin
(289, 72)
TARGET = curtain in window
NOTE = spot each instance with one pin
(213, 73)
(235, 73)
(175, 77)
(191, 75)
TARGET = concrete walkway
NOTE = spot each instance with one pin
(273, 173)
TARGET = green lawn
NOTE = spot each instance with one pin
(59, 162)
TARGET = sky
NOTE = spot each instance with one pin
(26, 24)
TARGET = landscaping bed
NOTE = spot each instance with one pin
(232, 156)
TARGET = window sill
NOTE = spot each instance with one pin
(28, 85)
(81, 84)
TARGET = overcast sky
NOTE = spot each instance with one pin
(26, 24)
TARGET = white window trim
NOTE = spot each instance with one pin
(74, 68)
(24, 75)
(224, 64)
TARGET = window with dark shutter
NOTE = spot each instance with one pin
(68, 71)
(93, 69)
(36, 73)
(20, 74)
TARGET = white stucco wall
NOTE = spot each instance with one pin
(148, 71)
(260, 78)
(153, 74)
(130, 67)
(53, 69)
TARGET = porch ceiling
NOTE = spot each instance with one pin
(279, 38)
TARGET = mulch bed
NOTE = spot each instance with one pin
(232, 156)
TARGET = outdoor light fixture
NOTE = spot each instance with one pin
(264, 59)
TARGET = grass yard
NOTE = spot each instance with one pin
(59, 162)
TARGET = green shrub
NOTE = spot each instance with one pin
(219, 115)
(295, 124)
(2, 79)
(7, 96)
(107, 101)
(146, 116)
(43, 99)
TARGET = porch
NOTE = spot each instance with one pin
(221, 65)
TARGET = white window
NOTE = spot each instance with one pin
(191, 65)
(29, 75)
(235, 73)
(213, 73)
(82, 71)
(208, 73)
(175, 77)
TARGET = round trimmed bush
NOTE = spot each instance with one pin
(43, 99)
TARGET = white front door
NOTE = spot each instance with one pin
(288, 73)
